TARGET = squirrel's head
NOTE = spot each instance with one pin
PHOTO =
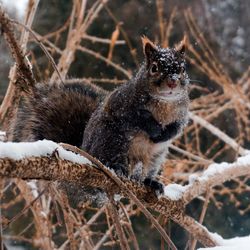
(166, 74)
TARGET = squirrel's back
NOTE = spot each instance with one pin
(56, 112)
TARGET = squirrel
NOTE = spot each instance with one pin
(128, 129)
(131, 130)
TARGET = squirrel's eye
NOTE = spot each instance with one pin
(154, 69)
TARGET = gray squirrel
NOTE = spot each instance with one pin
(128, 129)
(131, 130)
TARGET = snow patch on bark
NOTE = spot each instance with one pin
(21, 150)
(237, 243)
(174, 191)
(218, 168)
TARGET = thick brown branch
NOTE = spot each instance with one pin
(54, 169)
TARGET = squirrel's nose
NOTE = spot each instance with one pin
(172, 84)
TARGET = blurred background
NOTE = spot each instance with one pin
(109, 52)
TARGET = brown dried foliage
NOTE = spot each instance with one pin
(51, 218)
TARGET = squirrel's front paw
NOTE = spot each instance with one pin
(148, 124)
(156, 185)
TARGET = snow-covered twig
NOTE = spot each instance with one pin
(216, 174)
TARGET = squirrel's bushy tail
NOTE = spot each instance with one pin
(57, 113)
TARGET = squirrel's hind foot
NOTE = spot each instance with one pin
(157, 186)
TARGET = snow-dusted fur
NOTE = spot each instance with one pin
(137, 120)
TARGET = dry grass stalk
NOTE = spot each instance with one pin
(76, 230)
(114, 38)
(116, 221)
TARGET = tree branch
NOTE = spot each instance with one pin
(53, 168)
(20, 73)
(24, 72)
(217, 174)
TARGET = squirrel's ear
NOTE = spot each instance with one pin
(181, 47)
(149, 48)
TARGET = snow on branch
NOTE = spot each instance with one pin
(236, 243)
(21, 150)
(215, 174)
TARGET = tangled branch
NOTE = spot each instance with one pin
(55, 168)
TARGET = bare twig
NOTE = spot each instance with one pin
(42, 47)
(116, 220)
(219, 134)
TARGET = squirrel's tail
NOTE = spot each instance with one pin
(57, 113)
